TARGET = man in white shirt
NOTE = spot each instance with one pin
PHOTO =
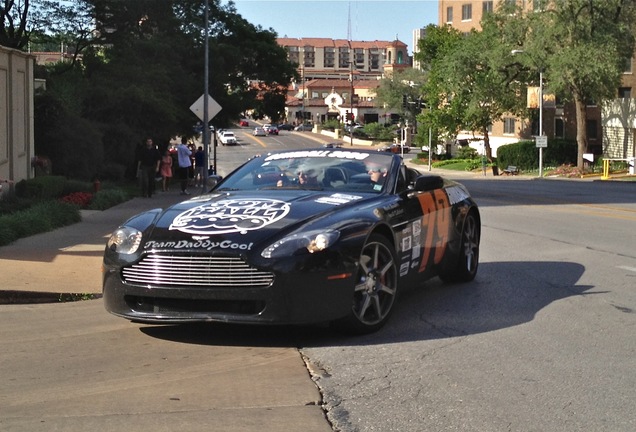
(183, 159)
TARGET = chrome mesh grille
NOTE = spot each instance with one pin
(162, 270)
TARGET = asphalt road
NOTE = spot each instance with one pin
(542, 340)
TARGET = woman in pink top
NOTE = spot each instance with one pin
(166, 169)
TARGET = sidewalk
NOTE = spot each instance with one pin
(43, 267)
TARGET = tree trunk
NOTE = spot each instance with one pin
(487, 148)
(581, 130)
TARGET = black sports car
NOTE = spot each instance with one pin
(295, 237)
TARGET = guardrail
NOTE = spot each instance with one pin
(607, 164)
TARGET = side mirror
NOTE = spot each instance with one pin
(426, 183)
(213, 180)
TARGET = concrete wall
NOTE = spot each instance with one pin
(16, 114)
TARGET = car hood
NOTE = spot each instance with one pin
(242, 220)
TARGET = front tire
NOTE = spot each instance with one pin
(375, 288)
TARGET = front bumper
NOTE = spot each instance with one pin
(309, 289)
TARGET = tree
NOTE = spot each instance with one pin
(402, 91)
(473, 81)
(14, 30)
(582, 46)
(142, 67)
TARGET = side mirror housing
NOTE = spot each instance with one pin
(426, 183)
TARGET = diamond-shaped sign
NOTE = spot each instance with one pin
(213, 108)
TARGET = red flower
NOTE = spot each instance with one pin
(80, 199)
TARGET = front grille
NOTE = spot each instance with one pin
(162, 270)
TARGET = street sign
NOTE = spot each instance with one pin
(541, 141)
(213, 108)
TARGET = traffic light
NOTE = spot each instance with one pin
(405, 101)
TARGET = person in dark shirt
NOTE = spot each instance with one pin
(148, 162)
(199, 163)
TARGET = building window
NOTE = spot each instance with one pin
(487, 7)
(509, 125)
(374, 60)
(310, 57)
(625, 93)
(628, 66)
(292, 52)
(592, 129)
(358, 54)
(449, 14)
(467, 12)
(559, 128)
(344, 57)
(330, 57)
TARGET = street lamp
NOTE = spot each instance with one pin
(206, 112)
(517, 51)
(350, 95)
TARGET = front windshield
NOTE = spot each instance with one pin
(332, 169)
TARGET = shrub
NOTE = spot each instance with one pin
(108, 198)
(379, 132)
(72, 186)
(10, 203)
(467, 152)
(41, 217)
(525, 156)
(45, 187)
(331, 125)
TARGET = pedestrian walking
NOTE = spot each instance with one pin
(148, 160)
(184, 162)
(199, 163)
(166, 170)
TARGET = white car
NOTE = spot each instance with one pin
(228, 138)
(259, 131)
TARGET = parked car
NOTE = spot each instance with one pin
(285, 127)
(332, 145)
(347, 127)
(259, 131)
(265, 246)
(272, 130)
(228, 138)
(395, 148)
(303, 127)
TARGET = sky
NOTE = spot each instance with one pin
(370, 20)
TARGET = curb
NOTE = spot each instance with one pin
(8, 297)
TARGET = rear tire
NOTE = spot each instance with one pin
(375, 288)
(467, 262)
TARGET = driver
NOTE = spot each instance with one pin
(308, 177)
(377, 174)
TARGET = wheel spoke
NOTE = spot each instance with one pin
(387, 289)
(377, 307)
(366, 303)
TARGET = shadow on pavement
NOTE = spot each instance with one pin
(433, 311)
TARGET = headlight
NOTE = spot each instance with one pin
(124, 240)
(312, 241)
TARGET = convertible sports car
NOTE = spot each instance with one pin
(294, 237)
